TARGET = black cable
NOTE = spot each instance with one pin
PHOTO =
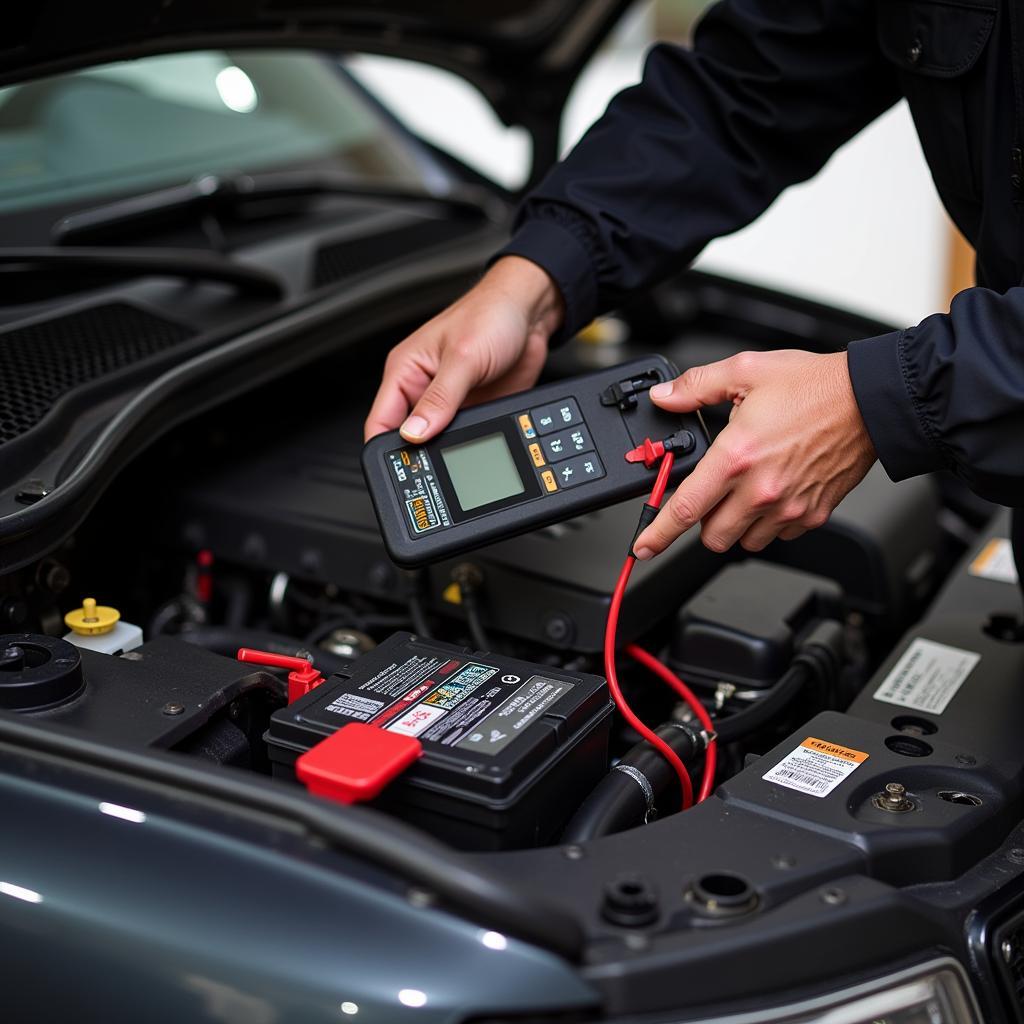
(819, 659)
(477, 633)
(625, 797)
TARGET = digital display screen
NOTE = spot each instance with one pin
(482, 471)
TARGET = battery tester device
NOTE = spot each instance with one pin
(526, 461)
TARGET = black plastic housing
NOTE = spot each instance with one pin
(744, 626)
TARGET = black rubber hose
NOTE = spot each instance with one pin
(625, 796)
(222, 640)
(820, 659)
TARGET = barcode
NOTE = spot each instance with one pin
(802, 778)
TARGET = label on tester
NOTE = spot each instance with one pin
(816, 767)
(452, 702)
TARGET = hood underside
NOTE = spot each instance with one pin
(523, 54)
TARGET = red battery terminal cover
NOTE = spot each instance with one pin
(356, 763)
(302, 677)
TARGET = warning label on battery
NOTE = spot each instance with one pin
(354, 706)
(447, 701)
(461, 685)
(494, 732)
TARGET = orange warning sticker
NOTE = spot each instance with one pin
(816, 767)
(847, 753)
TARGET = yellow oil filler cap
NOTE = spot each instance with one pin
(92, 619)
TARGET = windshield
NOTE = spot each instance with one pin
(144, 124)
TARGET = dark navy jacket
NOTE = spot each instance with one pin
(771, 88)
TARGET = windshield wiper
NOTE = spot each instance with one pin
(211, 194)
(126, 264)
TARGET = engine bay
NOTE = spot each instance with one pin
(881, 650)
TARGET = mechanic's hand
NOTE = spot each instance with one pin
(794, 446)
(491, 342)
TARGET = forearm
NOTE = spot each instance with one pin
(703, 144)
(949, 393)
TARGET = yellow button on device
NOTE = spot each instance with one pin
(549, 480)
(537, 455)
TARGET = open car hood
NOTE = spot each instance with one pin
(523, 54)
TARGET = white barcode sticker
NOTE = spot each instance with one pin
(995, 562)
(927, 676)
(816, 767)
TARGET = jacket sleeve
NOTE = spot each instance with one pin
(703, 144)
(949, 393)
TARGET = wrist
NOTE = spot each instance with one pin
(532, 289)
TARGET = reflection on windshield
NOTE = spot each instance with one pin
(162, 120)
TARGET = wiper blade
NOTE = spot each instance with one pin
(212, 194)
(126, 264)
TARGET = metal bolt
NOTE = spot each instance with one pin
(173, 709)
(893, 799)
(833, 896)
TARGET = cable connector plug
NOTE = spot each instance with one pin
(648, 453)
(651, 451)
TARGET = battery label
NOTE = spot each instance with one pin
(460, 685)
(469, 705)
(414, 721)
(494, 732)
(413, 476)
(353, 706)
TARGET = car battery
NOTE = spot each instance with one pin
(510, 748)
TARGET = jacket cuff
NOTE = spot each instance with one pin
(901, 440)
(564, 257)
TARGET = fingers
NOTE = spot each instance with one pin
(695, 497)
(728, 380)
(457, 375)
(404, 381)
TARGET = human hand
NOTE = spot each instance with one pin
(794, 446)
(491, 342)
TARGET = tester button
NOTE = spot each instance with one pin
(549, 481)
(556, 416)
(579, 470)
(526, 426)
(537, 455)
(565, 443)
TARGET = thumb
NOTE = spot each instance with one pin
(441, 400)
(724, 381)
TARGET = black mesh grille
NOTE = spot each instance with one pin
(344, 259)
(41, 363)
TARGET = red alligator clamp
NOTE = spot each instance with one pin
(302, 677)
(356, 762)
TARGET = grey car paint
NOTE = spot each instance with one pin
(145, 911)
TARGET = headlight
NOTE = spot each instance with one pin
(936, 993)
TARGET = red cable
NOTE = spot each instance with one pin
(649, 661)
(611, 626)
